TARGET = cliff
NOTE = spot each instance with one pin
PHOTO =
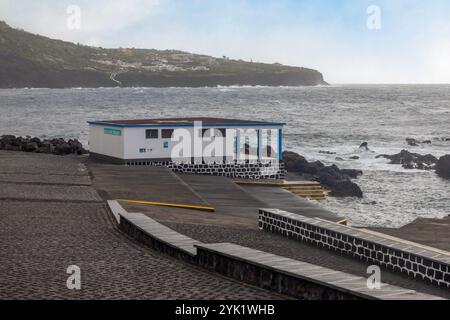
(29, 60)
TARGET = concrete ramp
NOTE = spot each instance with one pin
(246, 200)
(224, 195)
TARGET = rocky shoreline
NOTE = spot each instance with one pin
(443, 167)
(410, 160)
(338, 180)
(57, 146)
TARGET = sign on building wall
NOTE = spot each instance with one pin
(114, 132)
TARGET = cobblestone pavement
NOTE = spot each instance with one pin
(275, 244)
(223, 225)
(40, 239)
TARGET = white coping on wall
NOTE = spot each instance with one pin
(155, 229)
(433, 254)
(428, 264)
(116, 209)
(323, 276)
(407, 242)
(337, 280)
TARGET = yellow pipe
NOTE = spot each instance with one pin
(172, 205)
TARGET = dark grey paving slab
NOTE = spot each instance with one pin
(223, 194)
(48, 192)
(37, 178)
(144, 183)
(44, 164)
(39, 240)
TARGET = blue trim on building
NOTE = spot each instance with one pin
(280, 144)
(244, 124)
(238, 144)
(260, 147)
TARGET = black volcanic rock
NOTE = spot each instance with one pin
(342, 187)
(415, 143)
(28, 60)
(53, 146)
(351, 173)
(339, 181)
(294, 162)
(364, 146)
(30, 147)
(412, 160)
(412, 142)
(443, 167)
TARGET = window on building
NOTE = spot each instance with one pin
(167, 133)
(217, 132)
(223, 132)
(151, 134)
(113, 132)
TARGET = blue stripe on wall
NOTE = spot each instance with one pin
(280, 144)
(215, 125)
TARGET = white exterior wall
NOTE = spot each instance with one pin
(106, 144)
(135, 139)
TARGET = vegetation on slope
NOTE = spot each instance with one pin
(29, 60)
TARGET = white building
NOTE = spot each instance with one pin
(185, 140)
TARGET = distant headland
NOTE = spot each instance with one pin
(29, 60)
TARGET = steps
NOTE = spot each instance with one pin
(306, 189)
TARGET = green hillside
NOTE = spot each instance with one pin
(29, 60)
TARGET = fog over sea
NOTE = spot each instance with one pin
(334, 119)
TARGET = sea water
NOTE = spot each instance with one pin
(326, 123)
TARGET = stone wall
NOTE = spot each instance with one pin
(271, 279)
(246, 170)
(157, 244)
(298, 279)
(415, 261)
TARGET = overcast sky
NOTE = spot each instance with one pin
(412, 45)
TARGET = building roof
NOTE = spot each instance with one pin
(184, 122)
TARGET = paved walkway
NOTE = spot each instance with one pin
(430, 232)
(47, 224)
(245, 200)
(235, 220)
